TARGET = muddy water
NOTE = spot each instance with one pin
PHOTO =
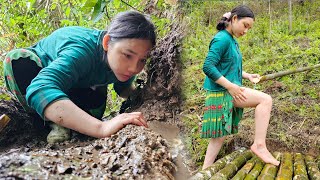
(170, 132)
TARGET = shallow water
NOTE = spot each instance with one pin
(170, 132)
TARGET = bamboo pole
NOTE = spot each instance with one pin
(312, 167)
(217, 166)
(270, 171)
(283, 73)
(241, 174)
(300, 170)
(255, 171)
(231, 169)
(286, 167)
(318, 161)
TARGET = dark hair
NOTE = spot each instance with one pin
(241, 11)
(131, 24)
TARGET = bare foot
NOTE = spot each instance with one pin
(263, 153)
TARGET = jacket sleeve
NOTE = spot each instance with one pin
(218, 47)
(57, 78)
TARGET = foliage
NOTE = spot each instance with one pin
(264, 51)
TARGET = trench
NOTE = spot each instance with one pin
(171, 133)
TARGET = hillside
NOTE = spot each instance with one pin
(267, 48)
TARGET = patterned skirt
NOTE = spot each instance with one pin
(220, 117)
(9, 78)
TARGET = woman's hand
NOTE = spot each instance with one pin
(237, 92)
(255, 78)
(115, 124)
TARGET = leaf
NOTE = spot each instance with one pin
(91, 3)
(98, 10)
(116, 3)
(53, 6)
(68, 11)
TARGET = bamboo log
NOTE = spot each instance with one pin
(241, 174)
(286, 167)
(283, 73)
(231, 169)
(217, 166)
(270, 171)
(4, 120)
(318, 161)
(312, 167)
(255, 171)
(300, 170)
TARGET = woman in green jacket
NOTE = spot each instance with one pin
(226, 97)
(64, 77)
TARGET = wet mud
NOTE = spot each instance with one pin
(132, 153)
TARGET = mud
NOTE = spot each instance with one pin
(23, 129)
(160, 98)
(171, 133)
(132, 153)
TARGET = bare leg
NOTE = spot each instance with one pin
(263, 104)
(213, 149)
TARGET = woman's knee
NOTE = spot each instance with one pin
(267, 99)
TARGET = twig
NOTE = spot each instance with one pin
(283, 73)
(131, 6)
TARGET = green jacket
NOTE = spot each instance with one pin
(224, 59)
(72, 57)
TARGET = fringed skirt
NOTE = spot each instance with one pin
(220, 117)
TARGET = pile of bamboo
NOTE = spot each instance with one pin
(244, 165)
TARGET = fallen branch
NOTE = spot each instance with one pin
(283, 73)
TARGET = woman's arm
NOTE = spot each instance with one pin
(66, 113)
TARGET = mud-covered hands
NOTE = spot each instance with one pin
(237, 92)
(115, 124)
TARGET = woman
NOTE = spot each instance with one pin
(64, 76)
(225, 95)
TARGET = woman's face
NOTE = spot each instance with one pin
(240, 27)
(127, 57)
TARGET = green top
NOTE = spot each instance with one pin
(224, 59)
(72, 57)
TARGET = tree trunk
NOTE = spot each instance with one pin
(270, 21)
(290, 15)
